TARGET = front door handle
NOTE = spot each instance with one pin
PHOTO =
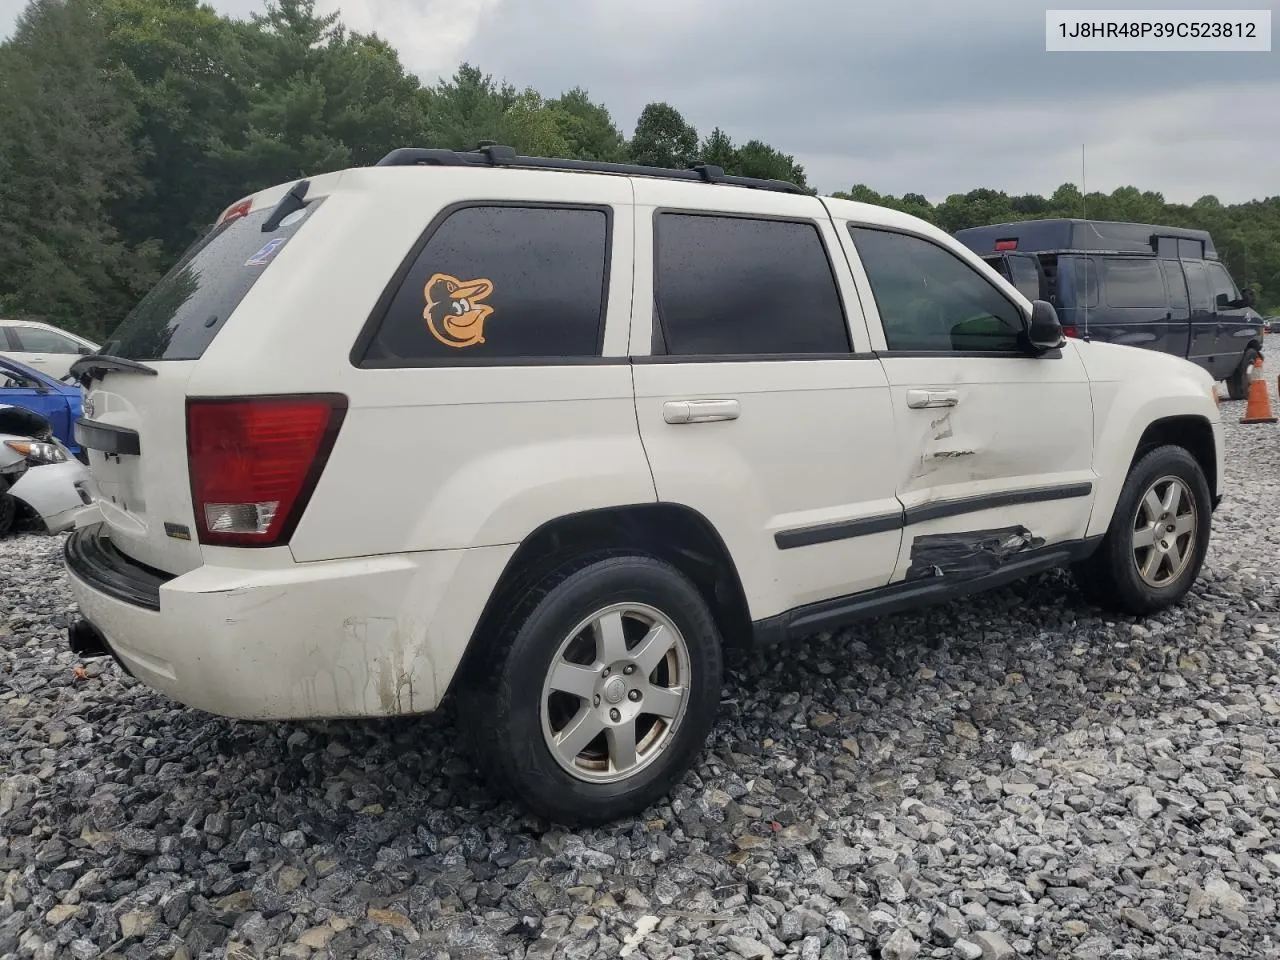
(699, 411)
(919, 399)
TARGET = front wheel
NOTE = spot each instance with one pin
(598, 694)
(1158, 537)
(1238, 382)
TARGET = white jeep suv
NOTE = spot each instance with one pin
(550, 434)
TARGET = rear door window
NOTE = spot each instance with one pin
(1025, 275)
(738, 286)
(182, 314)
(497, 283)
(1085, 270)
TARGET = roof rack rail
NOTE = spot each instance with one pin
(496, 155)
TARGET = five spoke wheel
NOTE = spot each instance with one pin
(616, 693)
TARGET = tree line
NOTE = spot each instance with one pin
(127, 125)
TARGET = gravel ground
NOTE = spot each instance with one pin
(1009, 775)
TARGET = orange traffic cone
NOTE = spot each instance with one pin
(1258, 409)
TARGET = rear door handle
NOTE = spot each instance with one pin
(699, 411)
(919, 399)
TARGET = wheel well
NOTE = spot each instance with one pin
(1192, 434)
(671, 532)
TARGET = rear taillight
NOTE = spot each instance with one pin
(254, 462)
(1069, 332)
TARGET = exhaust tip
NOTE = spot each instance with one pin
(86, 640)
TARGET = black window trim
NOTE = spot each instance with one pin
(659, 332)
(359, 350)
(888, 351)
(7, 336)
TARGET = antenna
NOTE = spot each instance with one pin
(1088, 263)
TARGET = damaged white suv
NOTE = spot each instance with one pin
(549, 435)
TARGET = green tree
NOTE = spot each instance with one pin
(587, 128)
(758, 159)
(66, 159)
(180, 65)
(663, 139)
(718, 150)
(319, 98)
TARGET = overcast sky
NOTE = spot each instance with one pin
(932, 96)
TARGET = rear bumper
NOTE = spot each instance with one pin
(366, 637)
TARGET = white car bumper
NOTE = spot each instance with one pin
(364, 637)
(56, 492)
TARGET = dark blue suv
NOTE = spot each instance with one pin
(1162, 288)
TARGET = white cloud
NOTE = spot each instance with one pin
(430, 35)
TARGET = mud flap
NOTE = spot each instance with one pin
(969, 554)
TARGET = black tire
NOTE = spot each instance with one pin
(500, 699)
(8, 513)
(1238, 382)
(1110, 577)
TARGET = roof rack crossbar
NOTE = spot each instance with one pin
(496, 155)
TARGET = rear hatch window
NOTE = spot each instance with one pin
(182, 314)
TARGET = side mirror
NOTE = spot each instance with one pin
(1044, 331)
(85, 351)
(1224, 302)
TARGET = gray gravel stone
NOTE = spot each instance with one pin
(994, 946)
(1016, 774)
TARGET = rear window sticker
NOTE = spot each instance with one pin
(269, 250)
(456, 311)
(294, 217)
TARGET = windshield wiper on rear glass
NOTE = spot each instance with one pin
(96, 365)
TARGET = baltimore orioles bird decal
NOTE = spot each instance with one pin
(454, 313)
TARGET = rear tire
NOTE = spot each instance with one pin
(1159, 534)
(1238, 382)
(598, 691)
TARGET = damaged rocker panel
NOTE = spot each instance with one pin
(912, 594)
(937, 510)
(971, 553)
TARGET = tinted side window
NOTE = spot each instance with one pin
(1198, 286)
(1025, 276)
(1133, 283)
(1086, 279)
(1176, 286)
(1220, 282)
(930, 299)
(498, 282)
(1191, 249)
(732, 285)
